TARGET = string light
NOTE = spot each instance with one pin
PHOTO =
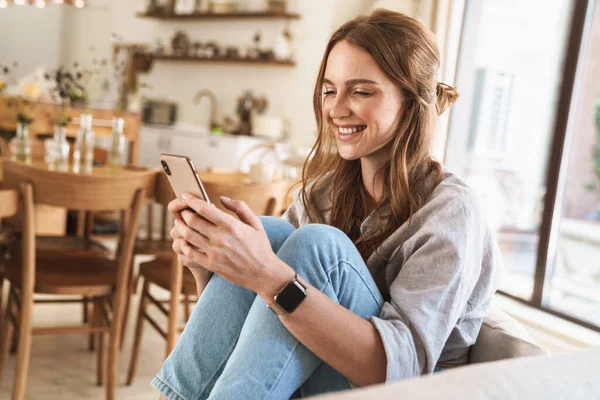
(42, 3)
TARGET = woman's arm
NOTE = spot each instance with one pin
(346, 342)
(239, 251)
(202, 277)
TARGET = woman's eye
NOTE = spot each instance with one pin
(328, 92)
(362, 94)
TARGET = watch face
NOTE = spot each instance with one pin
(291, 296)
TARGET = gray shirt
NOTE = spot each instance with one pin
(438, 282)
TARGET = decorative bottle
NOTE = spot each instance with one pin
(20, 145)
(83, 153)
(117, 145)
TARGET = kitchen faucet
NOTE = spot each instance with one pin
(213, 106)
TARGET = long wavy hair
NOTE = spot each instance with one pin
(407, 53)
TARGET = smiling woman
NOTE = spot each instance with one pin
(383, 267)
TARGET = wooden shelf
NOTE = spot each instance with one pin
(221, 16)
(286, 63)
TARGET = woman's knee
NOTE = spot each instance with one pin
(277, 229)
(319, 236)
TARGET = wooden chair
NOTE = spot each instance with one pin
(31, 271)
(262, 198)
(9, 206)
(164, 271)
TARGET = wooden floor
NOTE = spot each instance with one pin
(63, 368)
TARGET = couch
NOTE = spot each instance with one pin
(505, 364)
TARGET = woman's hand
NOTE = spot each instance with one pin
(237, 250)
(175, 207)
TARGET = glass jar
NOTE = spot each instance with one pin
(21, 145)
(61, 148)
(117, 145)
(83, 152)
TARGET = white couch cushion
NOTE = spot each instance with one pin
(502, 337)
(572, 376)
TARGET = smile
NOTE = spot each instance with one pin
(350, 130)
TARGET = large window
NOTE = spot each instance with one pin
(510, 136)
(573, 285)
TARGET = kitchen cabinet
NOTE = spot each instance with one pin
(205, 150)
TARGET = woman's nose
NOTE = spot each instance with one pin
(339, 108)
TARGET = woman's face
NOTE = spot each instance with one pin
(360, 104)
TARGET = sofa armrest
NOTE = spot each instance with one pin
(502, 337)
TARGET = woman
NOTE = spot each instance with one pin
(382, 268)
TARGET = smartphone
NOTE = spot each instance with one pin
(183, 176)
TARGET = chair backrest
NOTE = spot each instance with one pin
(9, 203)
(9, 206)
(95, 192)
(263, 198)
(502, 337)
(73, 191)
(160, 198)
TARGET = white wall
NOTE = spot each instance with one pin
(289, 90)
(31, 37)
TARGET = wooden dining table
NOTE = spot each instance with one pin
(51, 221)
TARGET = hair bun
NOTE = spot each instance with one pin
(446, 96)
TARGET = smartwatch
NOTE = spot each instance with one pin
(289, 297)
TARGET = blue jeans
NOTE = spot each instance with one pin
(234, 347)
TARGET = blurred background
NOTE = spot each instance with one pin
(229, 83)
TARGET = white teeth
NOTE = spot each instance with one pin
(347, 131)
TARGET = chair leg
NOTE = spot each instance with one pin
(122, 291)
(14, 337)
(5, 334)
(85, 309)
(132, 289)
(139, 329)
(24, 346)
(93, 322)
(101, 342)
(175, 289)
(186, 308)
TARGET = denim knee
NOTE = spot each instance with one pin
(277, 229)
(320, 236)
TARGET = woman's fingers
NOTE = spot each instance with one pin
(198, 223)
(175, 207)
(209, 211)
(241, 209)
(191, 236)
(192, 257)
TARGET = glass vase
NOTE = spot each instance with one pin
(83, 152)
(61, 148)
(21, 145)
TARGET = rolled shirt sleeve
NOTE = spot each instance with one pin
(442, 262)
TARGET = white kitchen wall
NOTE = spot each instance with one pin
(289, 90)
(31, 37)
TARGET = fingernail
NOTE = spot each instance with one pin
(185, 197)
(225, 198)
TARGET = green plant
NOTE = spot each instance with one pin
(23, 109)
